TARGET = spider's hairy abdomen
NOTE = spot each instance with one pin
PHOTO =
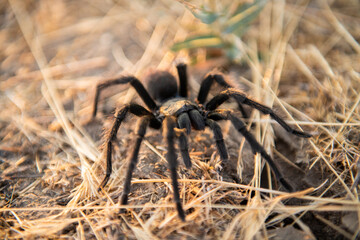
(174, 107)
(161, 85)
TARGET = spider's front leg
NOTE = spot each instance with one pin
(184, 124)
(219, 140)
(219, 99)
(222, 150)
(183, 145)
(140, 132)
(257, 148)
(120, 115)
(169, 135)
(254, 144)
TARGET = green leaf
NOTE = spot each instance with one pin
(243, 16)
(199, 42)
(202, 13)
(233, 52)
(206, 17)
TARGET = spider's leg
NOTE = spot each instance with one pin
(169, 134)
(206, 85)
(184, 123)
(183, 145)
(111, 136)
(255, 145)
(218, 139)
(193, 117)
(241, 97)
(139, 87)
(140, 132)
(222, 150)
(183, 79)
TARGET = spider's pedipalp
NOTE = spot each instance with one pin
(184, 122)
(139, 87)
(169, 135)
(241, 97)
(197, 120)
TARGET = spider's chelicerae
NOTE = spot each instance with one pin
(177, 116)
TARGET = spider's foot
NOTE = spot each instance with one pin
(229, 172)
(103, 183)
(123, 201)
(122, 211)
(286, 185)
(187, 160)
(181, 212)
(301, 134)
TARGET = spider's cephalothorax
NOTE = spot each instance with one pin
(177, 115)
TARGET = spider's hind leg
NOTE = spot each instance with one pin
(183, 79)
(139, 87)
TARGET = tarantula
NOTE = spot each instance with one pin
(177, 115)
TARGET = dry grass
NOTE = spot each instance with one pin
(302, 58)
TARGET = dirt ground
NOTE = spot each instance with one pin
(301, 58)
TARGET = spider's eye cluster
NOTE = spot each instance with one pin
(161, 85)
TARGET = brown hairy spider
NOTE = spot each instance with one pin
(177, 116)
